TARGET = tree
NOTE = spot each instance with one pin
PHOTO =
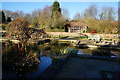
(107, 14)
(15, 14)
(119, 21)
(65, 13)
(77, 16)
(119, 14)
(21, 14)
(56, 14)
(28, 17)
(35, 23)
(8, 13)
(2, 17)
(44, 17)
(56, 9)
(9, 19)
(35, 13)
(91, 11)
(17, 29)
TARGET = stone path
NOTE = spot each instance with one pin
(76, 67)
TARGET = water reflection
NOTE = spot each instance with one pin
(80, 52)
(44, 64)
(84, 52)
(47, 52)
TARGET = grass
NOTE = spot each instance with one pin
(81, 37)
(54, 37)
(61, 36)
(57, 30)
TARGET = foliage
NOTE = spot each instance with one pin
(56, 9)
(91, 11)
(68, 51)
(56, 30)
(58, 20)
(63, 36)
(35, 23)
(77, 16)
(107, 14)
(81, 37)
(54, 18)
(50, 17)
(20, 57)
(14, 15)
(9, 19)
(103, 21)
(101, 26)
(19, 30)
(3, 26)
(2, 17)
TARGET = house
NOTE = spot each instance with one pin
(77, 27)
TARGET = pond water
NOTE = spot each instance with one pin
(44, 64)
(47, 52)
(46, 61)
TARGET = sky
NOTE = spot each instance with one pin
(72, 7)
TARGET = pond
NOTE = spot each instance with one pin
(47, 52)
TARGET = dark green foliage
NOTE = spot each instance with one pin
(88, 30)
(58, 20)
(56, 8)
(2, 17)
(56, 15)
(9, 19)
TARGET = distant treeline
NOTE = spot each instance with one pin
(103, 20)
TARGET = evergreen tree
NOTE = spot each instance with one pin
(9, 19)
(56, 14)
(56, 8)
(2, 17)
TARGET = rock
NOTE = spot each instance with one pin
(47, 40)
(47, 48)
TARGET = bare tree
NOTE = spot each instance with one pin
(77, 16)
(108, 13)
(35, 13)
(65, 13)
(28, 17)
(21, 14)
(44, 18)
(91, 11)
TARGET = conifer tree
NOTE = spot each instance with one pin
(2, 17)
(9, 19)
(56, 13)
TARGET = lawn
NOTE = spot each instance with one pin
(81, 37)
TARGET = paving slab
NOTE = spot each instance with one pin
(87, 68)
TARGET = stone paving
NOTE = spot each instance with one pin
(88, 68)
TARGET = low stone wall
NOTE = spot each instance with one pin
(57, 34)
(106, 36)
